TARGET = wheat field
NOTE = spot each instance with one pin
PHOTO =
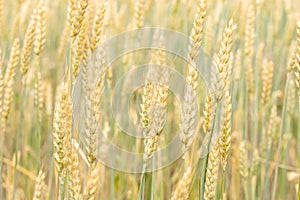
(150, 99)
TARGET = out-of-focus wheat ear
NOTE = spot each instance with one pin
(9, 83)
(291, 98)
(2, 17)
(93, 182)
(292, 60)
(225, 139)
(74, 183)
(93, 117)
(297, 72)
(76, 12)
(98, 25)
(212, 171)
(40, 27)
(39, 100)
(197, 30)
(255, 162)
(208, 112)
(28, 45)
(62, 127)
(237, 65)
(250, 31)
(13, 61)
(1, 82)
(48, 95)
(139, 13)
(181, 191)
(39, 187)
(249, 46)
(267, 79)
(268, 134)
(221, 68)
(243, 165)
(63, 42)
(259, 56)
(209, 35)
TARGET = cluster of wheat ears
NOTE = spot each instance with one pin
(247, 116)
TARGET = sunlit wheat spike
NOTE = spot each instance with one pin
(243, 166)
(76, 12)
(98, 25)
(13, 61)
(208, 112)
(93, 182)
(62, 127)
(39, 186)
(139, 13)
(79, 50)
(40, 27)
(9, 81)
(74, 181)
(188, 120)
(267, 79)
(197, 30)
(212, 173)
(28, 45)
(93, 99)
(221, 70)
(181, 191)
(157, 116)
(225, 139)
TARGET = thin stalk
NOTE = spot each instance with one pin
(21, 118)
(282, 128)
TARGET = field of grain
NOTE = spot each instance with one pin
(150, 99)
